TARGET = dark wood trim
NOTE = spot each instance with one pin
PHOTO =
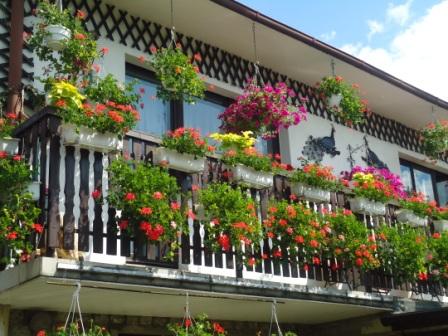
(53, 193)
(84, 194)
(69, 190)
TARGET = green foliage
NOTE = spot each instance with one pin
(316, 175)
(200, 326)
(147, 197)
(418, 205)
(249, 157)
(74, 329)
(108, 89)
(178, 76)
(352, 108)
(434, 138)
(438, 257)
(187, 140)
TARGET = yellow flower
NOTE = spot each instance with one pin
(65, 90)
(235, 140)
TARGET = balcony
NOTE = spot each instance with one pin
(79, 229)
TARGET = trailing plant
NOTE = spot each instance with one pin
(74, 329)
(316, 175)
(231, 217)
(147, 197)
(188, 141)
(418, 204)
(109, 89)
(402, 250)
(8, 121)
(78, 53)
(434, 138)
(375, 184)
(352, 108)
(262, 110)
(200, 326)
(438, 257)
(178, 75)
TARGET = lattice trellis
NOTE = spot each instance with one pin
(118, 25)
(5, 15)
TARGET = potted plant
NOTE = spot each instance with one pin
(147, 199)
(372, 188)
(74, 329)
(232, 220)
(434, 138)
(314, 182)
(178, 75)
(343, 99)
(438, 257)
(200, 326)
(415, 210)
(440, 219)
(183, 149)
(8, 122)
(263, 110)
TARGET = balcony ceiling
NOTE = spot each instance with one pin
(230, 31)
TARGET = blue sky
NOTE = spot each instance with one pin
(388, 34)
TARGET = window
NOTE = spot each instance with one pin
(421, 179)
(158, 117)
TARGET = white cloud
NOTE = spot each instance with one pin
(399, 13)
(375, 27)
(417, 54)
(327, 37)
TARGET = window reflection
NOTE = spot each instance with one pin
(406, 178)
(203, 115)
(423, 183)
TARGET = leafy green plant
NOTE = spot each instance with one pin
(8, 122)
(188, 141)
(438, 257)
(74, 329)
(109, 89)
(352, 108)
(232, 219)
(440, 214)
(200, 326)
(249, 157)
(316, 175)
(418, 204)
(147, 197)
(434, 138)
(179, 77)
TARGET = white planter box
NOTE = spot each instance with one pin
(183, 162)
(312, 194)
(440, 225)
(334, 100)
(57, 34)
(251, 177)
(367, 207)
(34, 189)
(407, 216)
(89, 138)
(9, 145)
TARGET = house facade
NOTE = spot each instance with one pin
(126, 285)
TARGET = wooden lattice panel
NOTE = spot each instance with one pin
(5, 14)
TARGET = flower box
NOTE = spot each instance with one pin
(367, 207)
(251, 177)
(89, 138)
(440, 225)
(34, 189)
(9, 145)
(334, 100)
(310, 193)
(407, 216)
(57, 34)
(179, 161)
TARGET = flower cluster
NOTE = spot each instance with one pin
(179, 76)
(147, 197)
(262, 110)
(434, 137)
(8, 122)
(438, 257)
(74, 329)
(235, 141)
(231, 217)
(418, 204)
(351, 108)
(188, 141)
(200, 326)
(374, 184)
(316, 175)
(440, 213)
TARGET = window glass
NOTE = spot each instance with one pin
(154, 113)
(203, 115)
(442, 192)
(405, 175)
(423, 183)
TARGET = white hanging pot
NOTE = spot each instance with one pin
(9, 145)
(178, 161)
(310, 193)
(56, 36)
(251, 177)
(440, 225)
(407, 216)
(334, 100)
(34, 189)
(367, 207)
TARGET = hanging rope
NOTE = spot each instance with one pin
(332, 63)
(256, 61)
(274, 319)
(173, 29)
(187, 315)
(72, 311)
(59, 4)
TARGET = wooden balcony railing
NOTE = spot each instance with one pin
(76, 226)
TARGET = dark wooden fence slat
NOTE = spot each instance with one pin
(98, 221)
(84, 194)
(69, 190)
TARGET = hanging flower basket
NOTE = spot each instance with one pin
(187, 163)
(408, 216)
(251, 177)
(56, 36)
(440, 225)
(85, 137)
(434, 138)
(334, 100)
(367, 207)
(310, 193)
(9, 145)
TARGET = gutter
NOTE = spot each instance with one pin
(328, 49)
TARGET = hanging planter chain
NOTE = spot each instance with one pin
(173, 29)
(257, 62)
(72, 311)
(274, 319)
(187, 315)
